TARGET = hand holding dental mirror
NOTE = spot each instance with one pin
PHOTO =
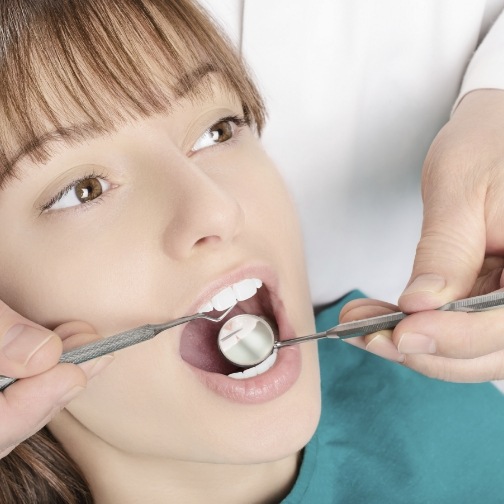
(248, 340)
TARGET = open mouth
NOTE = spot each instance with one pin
(198, 344)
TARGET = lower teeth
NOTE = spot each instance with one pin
(256, 370)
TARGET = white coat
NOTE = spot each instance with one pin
(356, 91)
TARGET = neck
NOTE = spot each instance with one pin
(154, 482)
(115, 476)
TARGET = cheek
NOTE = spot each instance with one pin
(71, 276)
(269, 210)
(272, 217)
(49, 290)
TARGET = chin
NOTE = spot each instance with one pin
(273, 430)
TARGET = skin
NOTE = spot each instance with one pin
(459, 253)
(31, 352)
(461, 187)
(171, 222)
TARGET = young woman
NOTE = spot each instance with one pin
(135, 190)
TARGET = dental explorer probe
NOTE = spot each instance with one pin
(122, 340)
(248, 340)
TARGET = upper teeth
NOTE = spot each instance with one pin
(227, 297)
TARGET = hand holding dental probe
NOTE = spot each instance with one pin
(122, 340)
(31, 352)
(247, 340)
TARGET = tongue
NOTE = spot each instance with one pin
(198, 347)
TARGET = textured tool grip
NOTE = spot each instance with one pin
(108, 345)
(98, 348)
(366, 326)
(5, 381)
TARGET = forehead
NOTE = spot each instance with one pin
(101, 64)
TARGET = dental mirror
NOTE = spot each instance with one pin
(246, 340)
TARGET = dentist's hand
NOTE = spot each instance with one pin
(30, 352)
(459, 254)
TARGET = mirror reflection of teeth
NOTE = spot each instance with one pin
(239, 291)
(234, 330)
(246, 340)
(256, 370)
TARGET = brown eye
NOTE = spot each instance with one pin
(221, 132)
(78, 193)
(88, 189)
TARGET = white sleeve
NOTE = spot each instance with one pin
(486, 68)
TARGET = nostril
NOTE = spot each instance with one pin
(208, 240)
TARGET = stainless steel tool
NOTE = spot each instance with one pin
(259, 333)
(122, 340)
(247, 340)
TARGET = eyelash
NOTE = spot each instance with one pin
(238, 121)
(235, 119)
(91, 175)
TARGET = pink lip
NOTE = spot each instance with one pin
(287, 368)
(258, 389)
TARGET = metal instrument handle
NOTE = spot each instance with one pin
(383, 322)
(122, 340)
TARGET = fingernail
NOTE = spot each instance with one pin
(21, 342)
(380, 345)
(414, 343)
(426, 283)
(71, 394)
(94, 367)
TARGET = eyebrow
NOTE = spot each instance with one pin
(186, 85)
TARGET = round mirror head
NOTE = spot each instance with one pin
(246, 340)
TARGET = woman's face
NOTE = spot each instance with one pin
(146, 224)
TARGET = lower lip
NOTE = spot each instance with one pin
(258, 389)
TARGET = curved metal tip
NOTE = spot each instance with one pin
(221, 317)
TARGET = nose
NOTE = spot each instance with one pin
(207, 216)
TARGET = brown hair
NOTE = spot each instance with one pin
(39, 471)
(99, 63)
(94, 64)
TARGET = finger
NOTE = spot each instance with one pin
(490, 277)
(27, 405)
(358, 309)
(26, 349)
(74, 335)
(378, 343)
(79, 339)
(452, 244)
(481, 369)
(68, 329)
(456, 335)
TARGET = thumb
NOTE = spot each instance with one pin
(451, 248)
(26, 348)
